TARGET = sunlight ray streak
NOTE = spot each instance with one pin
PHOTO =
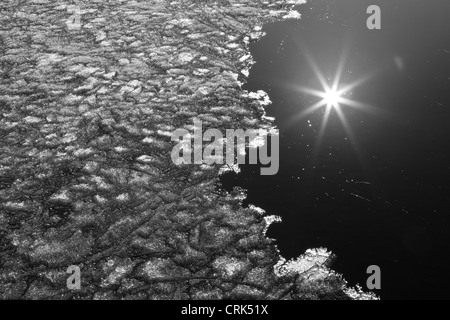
(351, 136)
(345, 123)
(354, 84)
(340, 70)
(322, 129)
(312, 63)
(359, 105)
(313, 92)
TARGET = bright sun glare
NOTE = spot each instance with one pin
(332, 97)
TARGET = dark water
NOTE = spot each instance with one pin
(381, 197)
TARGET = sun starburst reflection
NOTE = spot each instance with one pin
(333, 97)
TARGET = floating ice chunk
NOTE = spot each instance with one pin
(257, 209)
(126, 89)
(61, 196)
(120, 149)
(123, 197)
(229, 266)
(227, 168)
(100, 36)
(49, 58)
(118, 273)
(195, 36)
(232, 45)
(164, 133)
(244, 57)
(295, 2)
(259, 141)
(134, 83)
(293, 15)
(100, 182)
(145, 158)
(185, 57)
(124, 61)
(100, 199)
(260, 95)
(269, 118)
(182, 22)
(31, 119)
(69, 137)
(276, 13)
(147, 140)
(156, 268)
(83, 152)
(312, 259)
(221, 50)
(82, 186)
(358, 294)
(201, 72)
(203, 91)
(15, 205)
